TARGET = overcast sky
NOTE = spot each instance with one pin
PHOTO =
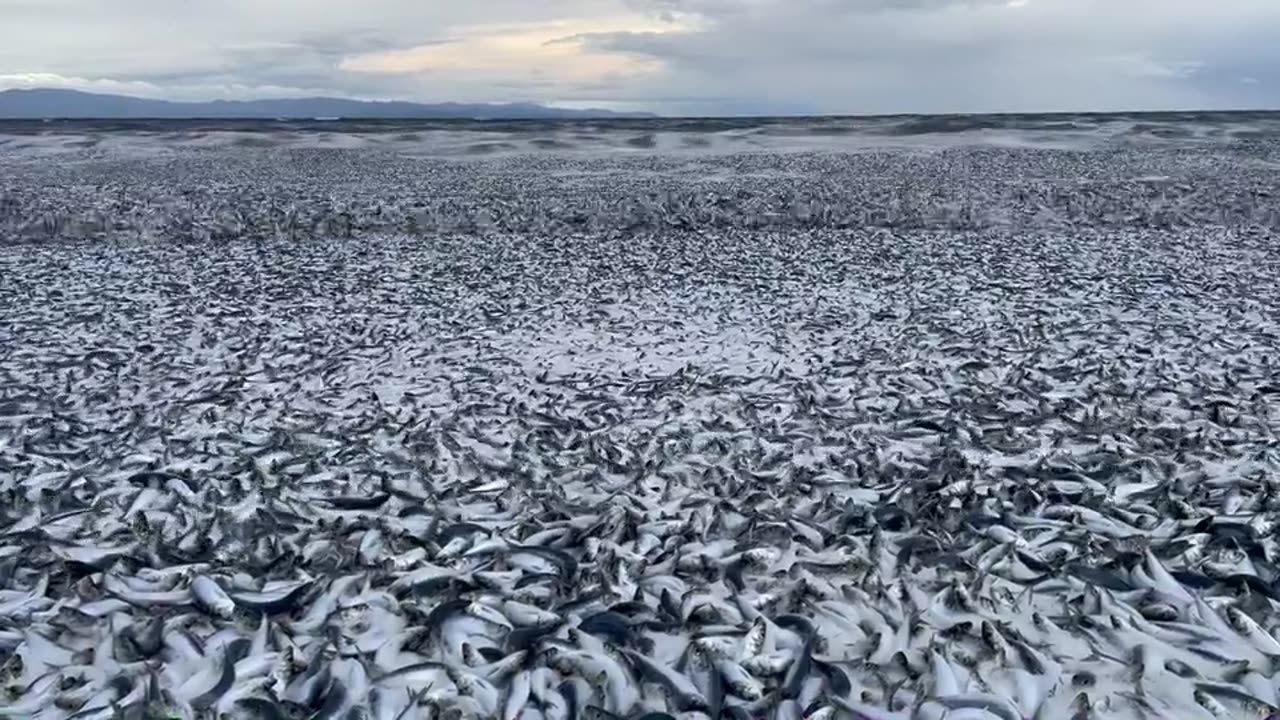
(692, 57)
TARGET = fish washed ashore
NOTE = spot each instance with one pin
(969, 434)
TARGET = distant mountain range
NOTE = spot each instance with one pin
(43, 103)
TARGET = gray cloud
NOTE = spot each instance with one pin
(934, 55)
(675, 56)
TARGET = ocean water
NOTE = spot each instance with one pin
(667, 135)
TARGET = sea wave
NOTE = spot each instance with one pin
(462, 138)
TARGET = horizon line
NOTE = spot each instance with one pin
(583, 112)
(622, 116)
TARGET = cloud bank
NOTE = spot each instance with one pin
(688, 57)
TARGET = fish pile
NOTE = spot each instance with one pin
(819, 474)
(176, 193)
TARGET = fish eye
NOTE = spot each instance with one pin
(1083, 679)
